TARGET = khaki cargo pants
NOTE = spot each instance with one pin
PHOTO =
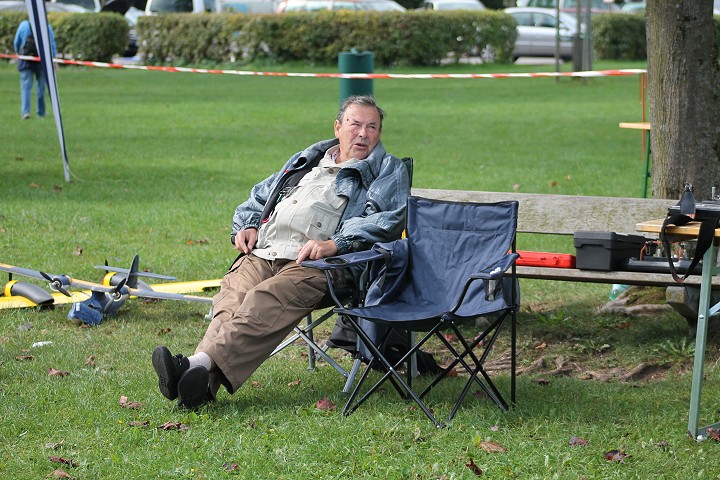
(259, 303)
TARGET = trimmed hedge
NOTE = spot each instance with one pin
(395, 38)
(619, 37)
(623, 37)
(80, 36)
(418, 37)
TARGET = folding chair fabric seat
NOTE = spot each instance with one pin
(448, 270)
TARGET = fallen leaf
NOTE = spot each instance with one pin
(541, 346)
(294, 383)
(139, 424)
(78, 251)
(713, 434)
(231, 467)
(452, 373)
(325, 405)
(516, 187)
(57, 188)
(480, 394)
(64, 461)
(576, 441)
(34, 185)
(57, 373)
(616, 456)
(164, 331)
(53, 445)
(492, 447)
(542, 381)
(24, 357)
(173, 426)
(90, 360)
(58, 474)
(131, 405)
(495, 428)
(554, 184)
(474, 468)
(256, 384)
(663, 444)
(450, 337)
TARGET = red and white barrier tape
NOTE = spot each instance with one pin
(356, 76)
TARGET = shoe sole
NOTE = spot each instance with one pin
(162, 363)
(193, 388)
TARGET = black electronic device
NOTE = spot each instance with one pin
(661, 265)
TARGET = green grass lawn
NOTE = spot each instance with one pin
(160, 160)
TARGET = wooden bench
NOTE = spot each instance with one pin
(564, 215)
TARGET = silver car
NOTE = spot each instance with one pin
(453, 5)
(537, 29)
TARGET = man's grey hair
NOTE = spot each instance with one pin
(363, 101)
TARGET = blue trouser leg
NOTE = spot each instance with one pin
(26, 82)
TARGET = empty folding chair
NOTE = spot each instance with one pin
(448, 270)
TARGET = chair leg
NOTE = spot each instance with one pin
(351, 376)
(311, 337)
(391, 373)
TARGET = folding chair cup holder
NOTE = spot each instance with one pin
(448, 271)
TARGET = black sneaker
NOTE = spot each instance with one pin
(168, 369)
(193, 388)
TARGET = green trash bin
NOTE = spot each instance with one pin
(355, 62)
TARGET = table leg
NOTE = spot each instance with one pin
(646, 169)
(709, 260)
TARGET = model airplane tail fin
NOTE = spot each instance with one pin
(132, 277)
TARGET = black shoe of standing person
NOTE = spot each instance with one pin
(193, 388)
(168, 369)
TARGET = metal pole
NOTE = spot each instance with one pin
(557, 39)
(587, 38)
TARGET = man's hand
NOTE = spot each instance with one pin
(315, 249)
(245, 240)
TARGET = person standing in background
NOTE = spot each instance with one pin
(31, 70)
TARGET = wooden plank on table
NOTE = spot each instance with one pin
(593, 276)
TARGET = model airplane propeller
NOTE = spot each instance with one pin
(103, 300)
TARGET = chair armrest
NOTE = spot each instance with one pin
(344, 261)
(498, 269)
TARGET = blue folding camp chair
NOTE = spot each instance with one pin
(447, 271)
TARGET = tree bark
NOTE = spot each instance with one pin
(684, 96)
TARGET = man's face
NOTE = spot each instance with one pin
(358, 132)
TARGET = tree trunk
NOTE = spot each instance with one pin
(684, 97)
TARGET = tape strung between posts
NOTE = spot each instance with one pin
(360, 76)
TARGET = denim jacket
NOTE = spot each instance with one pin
(376, 188)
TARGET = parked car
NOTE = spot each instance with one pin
(570, 6)
(92, 5)
(633, 7)
(537, 29)
(20, 6)
(153, 7)
(358, 5)
(453, 5)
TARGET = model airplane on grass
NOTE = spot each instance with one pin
(95, 301)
